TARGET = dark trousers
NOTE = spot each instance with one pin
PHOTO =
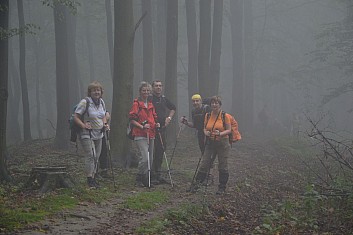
(103, 159)
(201, 139)
(158, 153)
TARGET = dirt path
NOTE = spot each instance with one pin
(259, 175)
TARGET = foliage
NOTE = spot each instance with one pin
(71, 4)
(146, 200)
(154, 226)
(27, 29)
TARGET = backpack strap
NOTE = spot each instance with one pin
(224, 119)
(87, 106)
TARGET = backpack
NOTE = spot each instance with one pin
(74, 128)
(130, 127)
(234, 135)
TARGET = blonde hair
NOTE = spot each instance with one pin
(145, 84)
(93, 85)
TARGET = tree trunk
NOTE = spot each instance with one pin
(14, 101)
(147, 40)
(171, 62)
(123, 77)
(4, 24)
(62, 77)
(216, 46)
(192, 48)
(24, 88)
(160, 40)
(236, 7)
(248, 66)
(89, 44)
(108, 10)
(74, 75)
(204, 49)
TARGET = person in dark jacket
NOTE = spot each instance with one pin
(165, 111)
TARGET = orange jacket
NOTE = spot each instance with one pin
(140, 113)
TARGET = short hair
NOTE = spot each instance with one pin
(144, 84)
(92, 85)
(216, 99)
(155, 81)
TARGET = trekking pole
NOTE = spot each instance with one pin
(110, 155)
(176, 142)
(148, 160)
(93, 151)
(197, 168)
(166, 160)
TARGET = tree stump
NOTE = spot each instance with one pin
(46, 179)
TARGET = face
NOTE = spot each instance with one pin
(145, 92)
(215, 106)
(96, 93)
(196, 103)
(157, 88)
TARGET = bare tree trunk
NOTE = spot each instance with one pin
(89, 44)
(74, 75)
(147, 40)
(236, 7)
(248, 66)
(108, 11)
(216, 46)
(160, 40)
(14, 102)
(192, 48)
(123, 77)
(4, 24)
(171, 61)
(24, 88)
(204, 48)
(62, 77)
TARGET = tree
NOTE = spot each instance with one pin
(24, 88)
(123, 77)
(236, 7)
(147, 40)
(108, 11)
(171, 59)
(192, 48)
(160, 39)
(216, 45)
(62, 76)
(204, 49)
(4, 25)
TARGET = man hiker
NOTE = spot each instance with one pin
(198, 117)
(165, 111)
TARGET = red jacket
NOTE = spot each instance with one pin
(140, 113)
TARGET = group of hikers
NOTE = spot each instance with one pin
(149, 116)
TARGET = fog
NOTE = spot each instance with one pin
(296, 58)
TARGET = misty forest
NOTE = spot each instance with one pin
(283, 69)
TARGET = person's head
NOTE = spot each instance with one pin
(216, 103)
(144, 90)
(196, 101)
(95, 90)
(157, 87)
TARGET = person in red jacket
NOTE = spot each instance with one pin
(143, 118)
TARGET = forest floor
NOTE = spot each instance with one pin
(263, 175)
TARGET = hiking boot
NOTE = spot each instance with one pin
(91, 182)
(221, 190)
(193, 188)
(141, 181)
(104, 174)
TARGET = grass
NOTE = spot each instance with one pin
(145, 201)
(18, 210)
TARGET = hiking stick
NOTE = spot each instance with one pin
(176, 142)
(93, 153)
(166, 160)
(107, 141)
(148, 160)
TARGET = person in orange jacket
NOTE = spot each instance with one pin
(143, 118)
